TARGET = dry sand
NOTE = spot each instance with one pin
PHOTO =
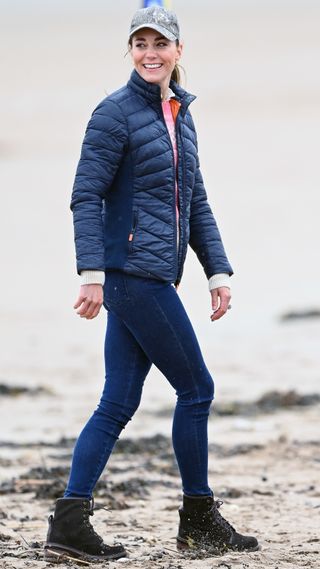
(254, 67)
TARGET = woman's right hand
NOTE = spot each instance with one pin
(89, 301)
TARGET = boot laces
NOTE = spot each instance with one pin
(87, 513)
(218, 518)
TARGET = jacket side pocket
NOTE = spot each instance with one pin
(132, 233)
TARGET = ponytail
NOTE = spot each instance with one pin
(176, 75)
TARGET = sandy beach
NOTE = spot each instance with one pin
(253, 67)
(265, 469)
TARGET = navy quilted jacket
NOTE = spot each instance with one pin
(123, 198)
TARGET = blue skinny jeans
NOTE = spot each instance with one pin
(147, 324)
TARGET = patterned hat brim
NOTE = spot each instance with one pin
(163, 31)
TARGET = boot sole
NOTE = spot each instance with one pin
(184, 546)
(53, 556)
(56, 554)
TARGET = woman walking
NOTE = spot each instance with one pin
(138, 201)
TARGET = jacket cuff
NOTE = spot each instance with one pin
(221, 279)
(92, 277)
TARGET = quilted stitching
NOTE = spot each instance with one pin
(125, 185)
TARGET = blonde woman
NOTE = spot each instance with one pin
(138, 202)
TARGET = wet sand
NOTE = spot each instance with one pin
(265, 468)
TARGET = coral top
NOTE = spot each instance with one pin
(170, 110)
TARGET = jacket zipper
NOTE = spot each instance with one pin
(181, 196)
(175, 179)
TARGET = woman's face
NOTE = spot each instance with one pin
(154, 56)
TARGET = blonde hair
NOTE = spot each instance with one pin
(176, 75)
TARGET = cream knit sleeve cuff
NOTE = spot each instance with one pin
(221, 279)
(92, 277)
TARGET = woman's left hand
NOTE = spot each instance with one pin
(89, 301)
(220, 301)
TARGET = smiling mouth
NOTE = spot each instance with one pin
(152, 65)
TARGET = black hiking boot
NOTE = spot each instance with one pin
(71, 535)
(203, 527)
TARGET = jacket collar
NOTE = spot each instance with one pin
(152, 92)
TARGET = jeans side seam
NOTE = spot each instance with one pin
(192, 375)
(180, 345)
